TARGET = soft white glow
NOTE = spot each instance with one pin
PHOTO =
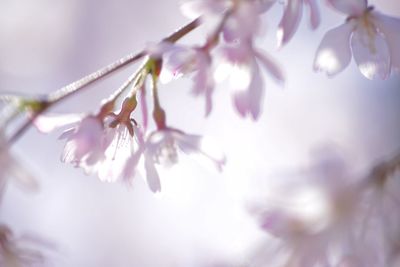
(240, 77)
(327, 61)
(222, 72)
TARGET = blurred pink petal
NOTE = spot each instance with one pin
(290, 21)
(334, 54)
(49, 122)
(371, 53)
(315, 17)
(390, 27)
(349, 7)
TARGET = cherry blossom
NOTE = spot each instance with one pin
(84, 145)
(326, 212)
(243, 16)
(369, 36)
(241, 63)
(184, 60)
(162, 148)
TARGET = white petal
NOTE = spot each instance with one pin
(350, 7)
(249, 101)
(315, 17)
(290, 21)
(371, 53)
(390, 27)
(197, 144)
(334, 53)
(271, 66)
(50, 122)
(152, 177)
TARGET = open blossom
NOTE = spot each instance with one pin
(162, 148)
(241, 64)
(84, 145)
(322, 221)
(99, 144)
(101, 147)
(185, 60)
(370, 37)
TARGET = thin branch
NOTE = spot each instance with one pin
(75, 87)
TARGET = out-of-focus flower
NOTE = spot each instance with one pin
(292, 17)
(19, 252)
(185, 60)
(243, 21)
(162, 147)
(241, 64)
(371, 37)
(326, 211)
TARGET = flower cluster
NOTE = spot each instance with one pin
(344, 218)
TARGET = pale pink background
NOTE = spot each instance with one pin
(201, 218)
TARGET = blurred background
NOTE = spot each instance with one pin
(202, 217)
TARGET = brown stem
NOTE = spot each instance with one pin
(75, 87)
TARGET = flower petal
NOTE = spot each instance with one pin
(271, 66)
(371, 53)
(249, 101)
(334, 53)
(189, 144)
(315, 17)
(50, 122)
(390, 27)
(152, 177)
(349, 7)
(290, 21)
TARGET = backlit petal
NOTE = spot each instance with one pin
(350, 7)
(371, 53)
(334, 53)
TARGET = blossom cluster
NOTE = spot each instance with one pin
(113, 144)
(337, 216)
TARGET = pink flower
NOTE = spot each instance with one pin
(84, 145)
(182, 61)
(243, 21)
(162, 148)
(369, 36)
(292, 16)
(323, 209)
(241, 64)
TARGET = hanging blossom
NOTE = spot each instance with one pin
(163, 147)
(329, 213)
(11, 168)
(372, 38)
(241, 65)
(242, 16)
(181, 60)
(244, 20)
(101, 144)
(20, 252)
